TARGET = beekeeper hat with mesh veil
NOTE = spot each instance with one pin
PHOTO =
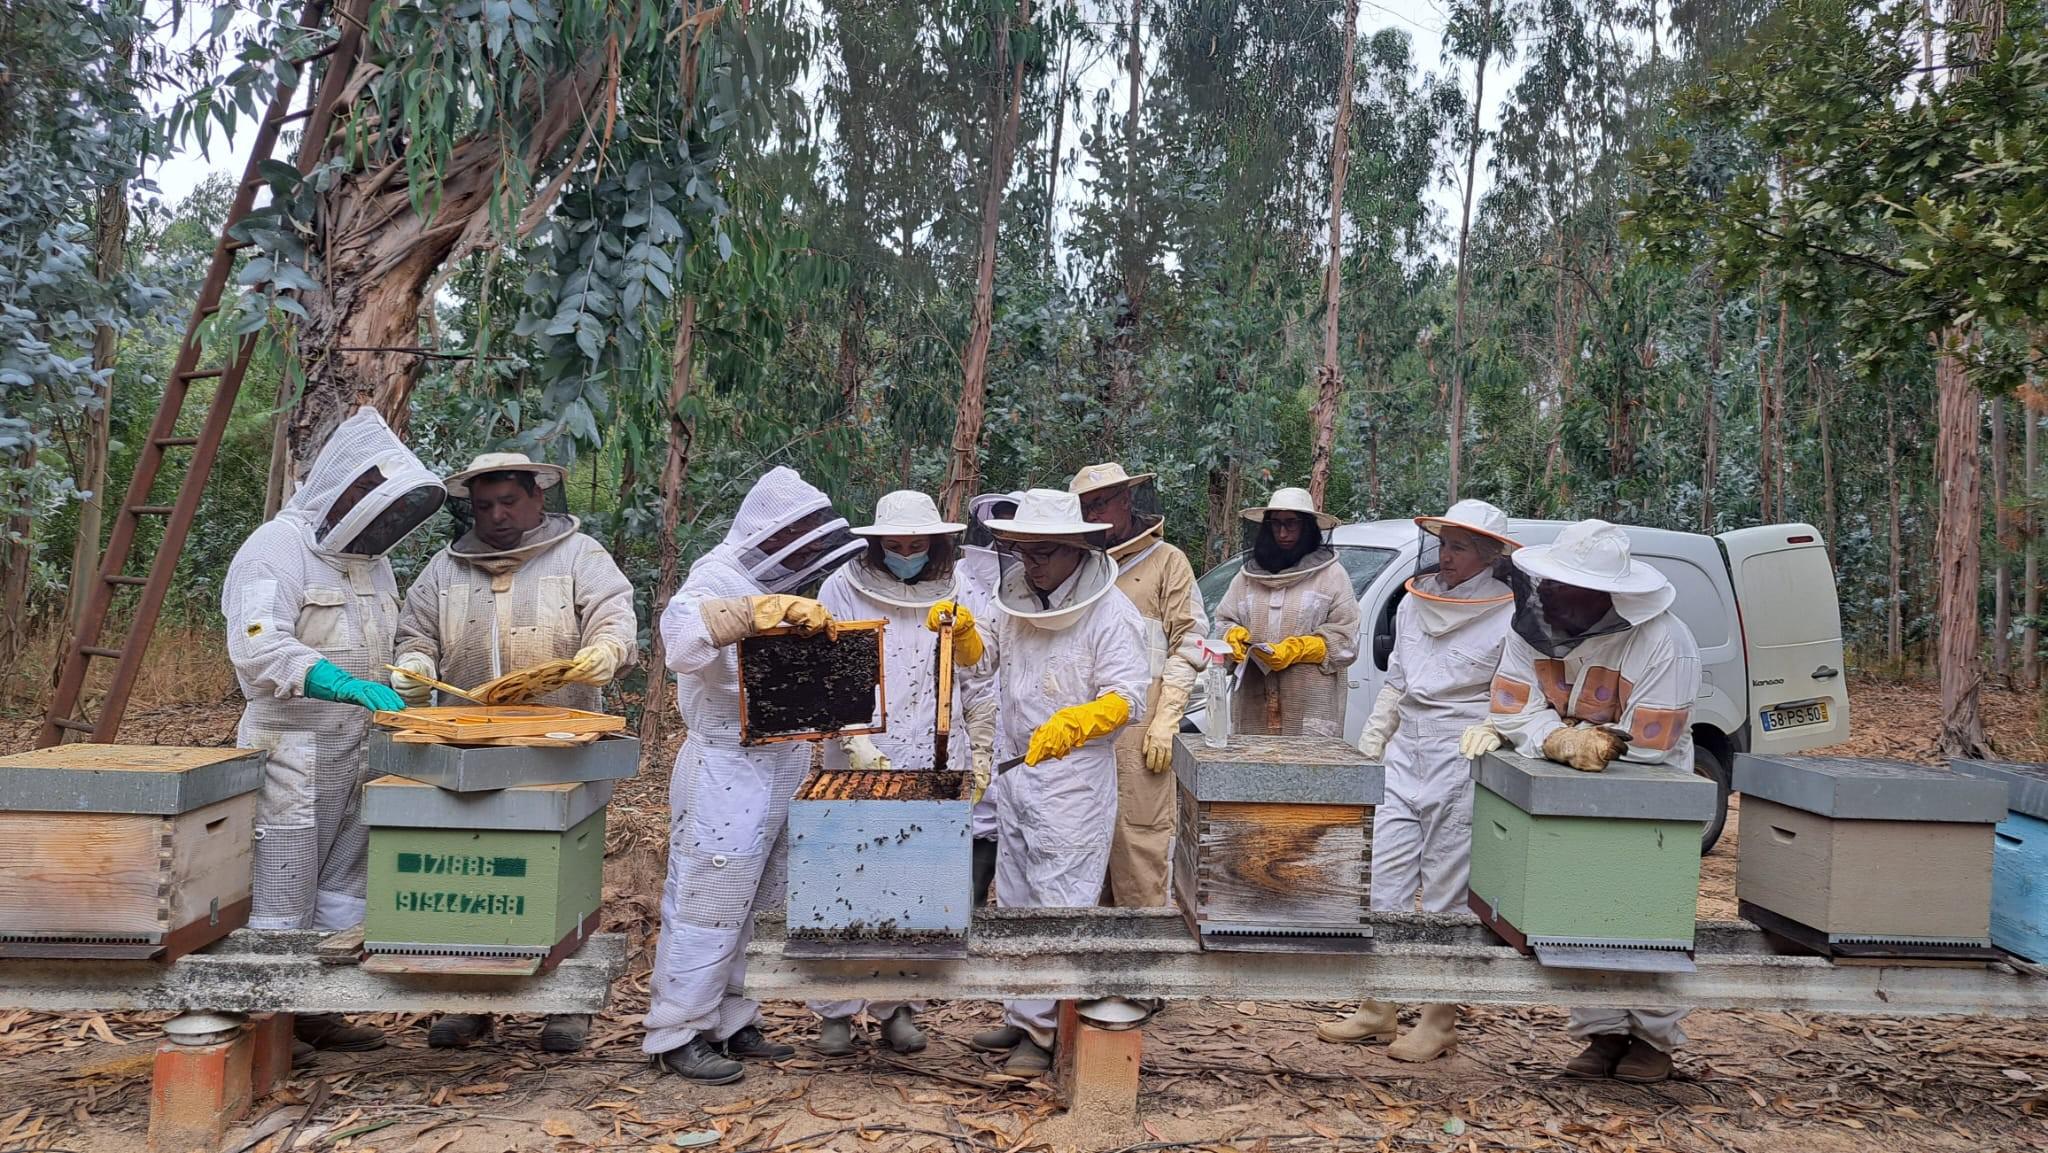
(1265, 560)
(785, 535)
(398, 493)
(908, 513)
(1048, 517)
(1592, 555)
(1448, 597)
(545, 476)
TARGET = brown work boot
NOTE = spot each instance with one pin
(1373, 1024)
(332, 1032)
(1000, 1039)
(1028, 1060)
(1433, 1036)
(1597, 1060)
(1643, 1064)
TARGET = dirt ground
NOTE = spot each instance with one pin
(1215, 1076)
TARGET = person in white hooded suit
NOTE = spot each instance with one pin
(312, 614)
(729, 806)
(1448, 633)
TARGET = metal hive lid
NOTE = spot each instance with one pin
(1623, 791)
(2026, 785)
(148, 779)
(1868, 789)
(1289, 770)
(398, 802)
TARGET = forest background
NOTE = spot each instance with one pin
(1733, 263)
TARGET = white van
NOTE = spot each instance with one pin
(1760, 603)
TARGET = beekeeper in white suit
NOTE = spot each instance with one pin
(979, 570)
(1071, 666)
(1447, 640)
(312, 613)
(908, 573)
(1596, 668)
(728, 806)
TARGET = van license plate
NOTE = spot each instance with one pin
(1795, 716)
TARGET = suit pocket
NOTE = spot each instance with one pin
(323, 619)
(286, 798)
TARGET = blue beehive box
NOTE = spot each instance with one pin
(2019, 859)
(880, 865)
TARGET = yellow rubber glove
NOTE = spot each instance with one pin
(1239, 638)
(780, 609)
(967, 647)
(1076, 725)
(1164, 726)
(595, 665)
(1295, 651)
(1586, 748)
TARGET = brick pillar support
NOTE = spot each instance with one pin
(197, 1091)
(1096, 1069)
(270, 1062)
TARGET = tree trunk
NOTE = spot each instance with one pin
(1059, 128)
(1766, 465)
(2029, 531)
(1710, 425)
(1329, 376)
(17, 556)
(629, 483)
(2001, 533)
(965, 467)
(89, 471)
(852, 352)
(1123, 390)
(682, 435)
(1894, 651)
(1777, 425)
(1827, 455)
(1464, 238)
(1957, 473)
(377, 259)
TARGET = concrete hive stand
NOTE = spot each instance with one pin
(1853, 857)
(2019, 857)
(1589, 870)
(124, 851)
(1274, 851)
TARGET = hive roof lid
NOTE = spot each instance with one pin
(1868, 789)
(1623, 791)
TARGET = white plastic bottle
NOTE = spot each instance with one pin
(1215, 695)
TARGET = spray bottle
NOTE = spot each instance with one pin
(1215, 693)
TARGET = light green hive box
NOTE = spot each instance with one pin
(1565, 857)
(513, 872)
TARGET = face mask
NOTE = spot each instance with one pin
(906, 567)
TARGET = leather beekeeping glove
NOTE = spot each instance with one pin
(415, 692)
(327, 682)
(595, 664)
(1586, 748)
(967, 647)
(778, 609)
(984, 767)
(1239, 638)
(1478, 741)
(1292, 651)
(862, 756)
(1386, 716)
(1075, 725)
(1164, 726)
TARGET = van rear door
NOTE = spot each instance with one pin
(1792, 635)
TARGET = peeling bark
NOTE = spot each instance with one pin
(1330, 375)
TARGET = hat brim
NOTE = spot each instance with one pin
(1435, 525)
(1540, 562)
(1125, 482)
(545, 476)
(933, 528)
(1013, 529)
(1324, 521)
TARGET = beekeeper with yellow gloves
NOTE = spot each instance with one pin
(1448, 633)
(1160, 583)
(312, 613)
(1597, 668)
(979, 571)
(1067, 651)
(907, 576)
(1290, 613)
(729, 806)
(522, 587)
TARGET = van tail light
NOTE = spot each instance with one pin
(1807, 539)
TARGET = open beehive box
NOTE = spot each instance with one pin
(880, 864)
(508, 725)
(805, 688)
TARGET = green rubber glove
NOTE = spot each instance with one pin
(326, 682)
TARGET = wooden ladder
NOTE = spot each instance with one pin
(65, 719)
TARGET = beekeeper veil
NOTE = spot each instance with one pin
(1053, 566)
(1583, 585)
(786, 536)
(365, 491)
(1462, 569)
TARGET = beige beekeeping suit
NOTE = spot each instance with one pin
(480, 614)
(1313, 597)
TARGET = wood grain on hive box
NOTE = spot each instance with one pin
(124, 851)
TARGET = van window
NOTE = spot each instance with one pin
(1793, 601)
(1699, 602)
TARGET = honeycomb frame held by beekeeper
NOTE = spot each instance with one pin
(311, 607)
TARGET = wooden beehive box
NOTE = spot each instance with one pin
(880, 864)
(470, 769)
(1274, 851)
(805, 688)
(2019, 857)
(124, 851)
(512, 877)
(1849, 856)
(1589, 870)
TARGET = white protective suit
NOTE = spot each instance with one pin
(1057, 817)
(978, 571)
(480, 613)
(1446, 645)
(291, 600)
(728, 806)
(1642, 680)
(910, 662)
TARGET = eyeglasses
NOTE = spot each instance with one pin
(1038, 553)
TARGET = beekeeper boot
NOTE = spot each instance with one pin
(457, 1030)
(752, 1042)
(1643, 1064)
(1434, 1035)
(1373, 1024)
(697, 1059)
(835, 1036)
(1000, 1039)
(333, 1033)
(1598, 1058)
(902, 1033)
(564, 1032)
(1028, 1059)
(984, 869)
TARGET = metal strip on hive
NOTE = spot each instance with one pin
(1614, 957)
(1249, 937)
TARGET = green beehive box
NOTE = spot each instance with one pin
(1589, 870)
(514, 874)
